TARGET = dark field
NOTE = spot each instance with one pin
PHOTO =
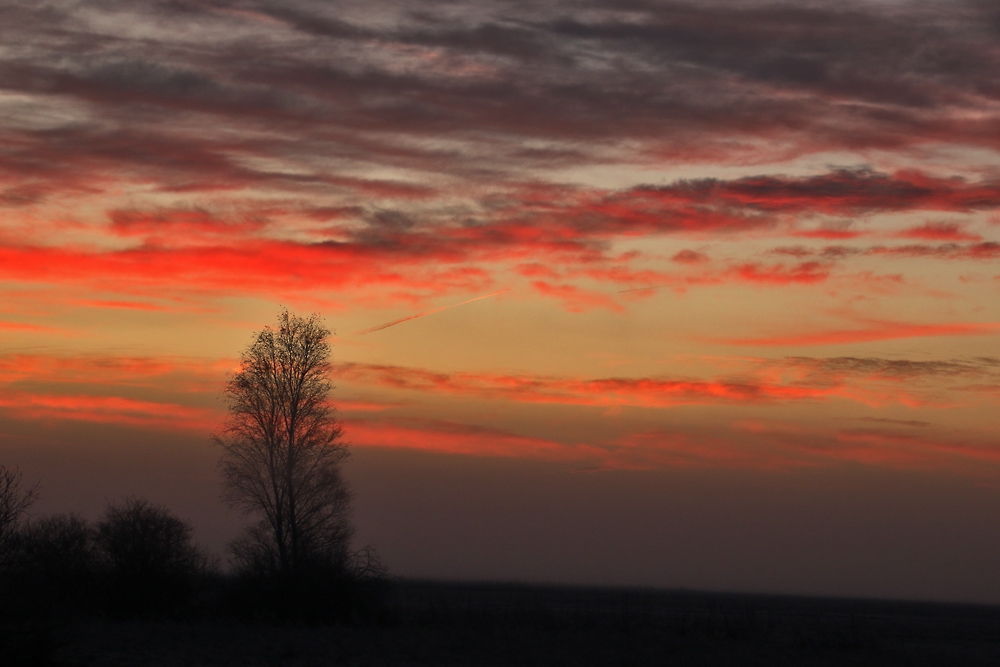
(425, 623)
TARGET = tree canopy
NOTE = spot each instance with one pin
(283, 450)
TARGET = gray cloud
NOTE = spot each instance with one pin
(496, 75)
(898, 368)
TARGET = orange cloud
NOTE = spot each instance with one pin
(177, 373)
(805, 273)
(611, 392)
(774, 445)
(879, 331)
(908, 451)
(124, 305)
(19, 326)
(577, 300)
(770, 446)
(107, 410)
(451, 438)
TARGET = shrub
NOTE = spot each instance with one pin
(58, 556)
(149, 562)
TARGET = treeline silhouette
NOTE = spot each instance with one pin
(138, 561)
(282, 451)
(132, 588)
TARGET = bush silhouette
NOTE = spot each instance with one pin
(149, 563)
(57, 557)
(48, 579)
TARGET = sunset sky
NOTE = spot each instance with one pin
(706, 291)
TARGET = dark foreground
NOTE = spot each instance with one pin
(423, 623)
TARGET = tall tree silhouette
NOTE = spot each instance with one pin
(283, 450)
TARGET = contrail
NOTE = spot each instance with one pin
(413, 317)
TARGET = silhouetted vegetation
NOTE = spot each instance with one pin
(282, 455)
(57, 556)
(15, 499)
(147, 559)
(24, 628)
(138, 561)
(134, 589)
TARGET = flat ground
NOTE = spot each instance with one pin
(425, 623)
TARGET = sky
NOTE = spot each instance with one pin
(625, 292)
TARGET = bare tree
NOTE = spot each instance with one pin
(15, 499)
(283, 451)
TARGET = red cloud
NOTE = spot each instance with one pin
(551, 233)
(830, 234)
(610, 392)
(177, 373)
(778, 446)
(880, 331)
(905, 450)
(452, 438)
(766, 446)
(108, 410)
(536, 218)
(938, 231)
(805, 273)
(579, 221)
(20, 326)
(251, 267)
(689, 257)
(756, 445)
